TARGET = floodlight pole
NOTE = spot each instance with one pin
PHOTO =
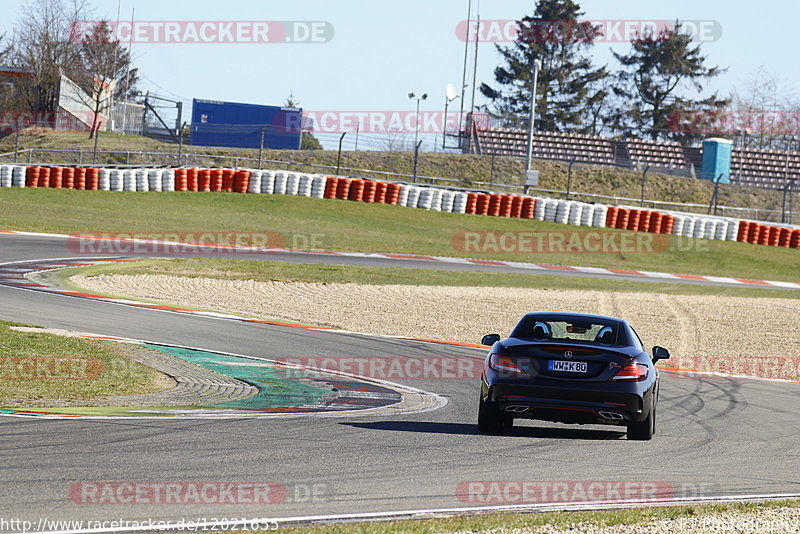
(416, 121)
(537, 64)
(416, 159)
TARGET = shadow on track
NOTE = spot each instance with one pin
(472, 429)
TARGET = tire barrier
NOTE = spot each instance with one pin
(6, 172)
(426, 197)
(191, 179)
(380, 192)
(241, 181)
(471, 205)
(331, 187)
(268, 182)
(79, 178)
(600, 216)
(393, 194)
(342, 188)
(254, 185)
(319, 185)
(356, 192)
(448, 201)
(304, 185)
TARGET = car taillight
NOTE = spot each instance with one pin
(633, 371)
(503, 363)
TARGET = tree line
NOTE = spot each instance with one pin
(656, 89)
(52, 40)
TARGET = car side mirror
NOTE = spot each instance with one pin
(490, 339)
(660, 353)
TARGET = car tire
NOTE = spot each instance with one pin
(644, 430)
(490, 420)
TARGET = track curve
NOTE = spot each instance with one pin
(716, 437)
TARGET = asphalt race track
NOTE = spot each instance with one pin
(716, 437)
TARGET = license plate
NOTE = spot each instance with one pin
(567, 367)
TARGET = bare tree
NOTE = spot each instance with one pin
(47, 46)
(5, 49)
(106, 70)
(761, 104)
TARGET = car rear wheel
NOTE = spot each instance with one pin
(645, 429)
(490, 419)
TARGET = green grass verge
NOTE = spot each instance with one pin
(36, 368)
(502, 523)
(265, 271)
(354, 226)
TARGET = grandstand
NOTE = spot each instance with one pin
(768, 169)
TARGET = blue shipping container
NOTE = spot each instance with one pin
(717, 160)
(234, 124)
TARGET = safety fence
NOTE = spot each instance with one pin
(240, 180)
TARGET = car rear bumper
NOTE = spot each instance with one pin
(615, 404)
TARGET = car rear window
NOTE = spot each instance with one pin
(569, 329)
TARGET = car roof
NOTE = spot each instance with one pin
(570, 315)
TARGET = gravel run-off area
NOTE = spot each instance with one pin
(736, 335)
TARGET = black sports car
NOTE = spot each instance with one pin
(570, 368)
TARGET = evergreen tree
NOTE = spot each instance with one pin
(569, 87)
(648, 87)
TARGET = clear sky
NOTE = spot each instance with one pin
(381, 50)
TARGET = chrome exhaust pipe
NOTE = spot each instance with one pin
(517, 408)
(610, 415)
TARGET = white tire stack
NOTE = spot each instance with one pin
(318, 186)
(721, 231)
(115, 180)
(6, 172)
(678, 224)
(436, 199)
(18, 176)
(599, 216)
(129, 180)
(733, 230)
(550, 209)
(104, 180)
(168, 180)
(448, 199)
(268, 182)
(688, 226)
(304, 184)
(154, 179)
(254, 185)
(587, 215)
(575, 213)
(280, 183)
(709, 228)
(538, 208)
(402, 197)
(142, 183)
(460, 202)
(292, 183)
(412, 201)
